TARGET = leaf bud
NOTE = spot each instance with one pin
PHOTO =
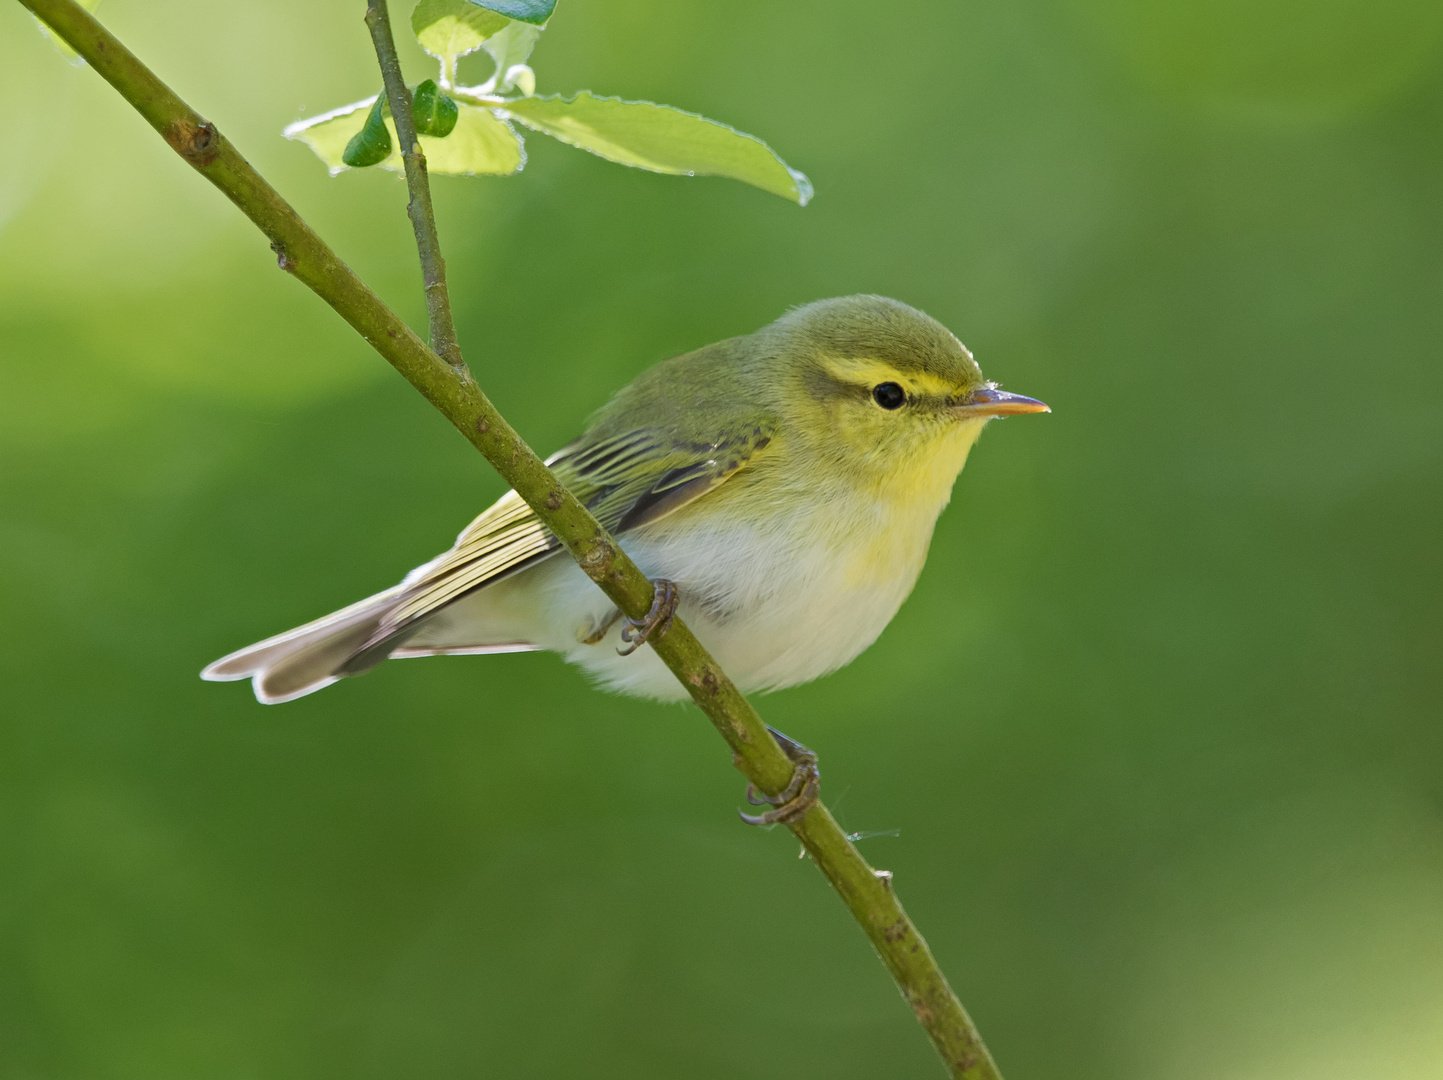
(372, 144)
(434, 112)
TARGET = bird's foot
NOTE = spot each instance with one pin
(663, 606)
(797, 797)
(597, 636)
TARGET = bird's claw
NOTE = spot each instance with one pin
(664, 599)
(797, 797)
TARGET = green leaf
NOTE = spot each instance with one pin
(480, 144)
(55, 39)
(434, 113)
(535, 12)
(329, 133)
(450, 28)
(372, 144)
(661, 139)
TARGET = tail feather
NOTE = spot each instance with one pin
(346, 642)
(303, 660)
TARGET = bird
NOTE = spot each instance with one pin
(781, 488)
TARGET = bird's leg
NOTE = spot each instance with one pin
(797, 797)
(664, 599)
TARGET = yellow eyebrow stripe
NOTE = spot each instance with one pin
(865, 371)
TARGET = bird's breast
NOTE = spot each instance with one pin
(782, 585)
(784, 598)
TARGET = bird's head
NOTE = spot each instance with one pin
(882, 388)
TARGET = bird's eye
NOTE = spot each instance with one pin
(889, 395)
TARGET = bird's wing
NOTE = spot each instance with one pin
(627, 481)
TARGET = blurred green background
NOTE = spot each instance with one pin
(1160, 728)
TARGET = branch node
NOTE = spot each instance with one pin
(596, 561)
(706, 681)
(283, 260)
(198, 143)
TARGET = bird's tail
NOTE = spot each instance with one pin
(354, 640)
(303, 660)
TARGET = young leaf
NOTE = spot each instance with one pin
(510, 49)
(480, 144)
(535, 12)
(435, 114)
(522, 78)
(661, 139)
(450, 28)
(372, 144)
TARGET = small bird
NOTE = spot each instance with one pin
(783, 486)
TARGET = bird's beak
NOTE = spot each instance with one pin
(988, 401)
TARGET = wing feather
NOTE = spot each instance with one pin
(627, 481)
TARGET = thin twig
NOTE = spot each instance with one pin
(455, 394)
(423, 216)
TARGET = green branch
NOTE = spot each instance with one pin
(423, 217)
(867, 893)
